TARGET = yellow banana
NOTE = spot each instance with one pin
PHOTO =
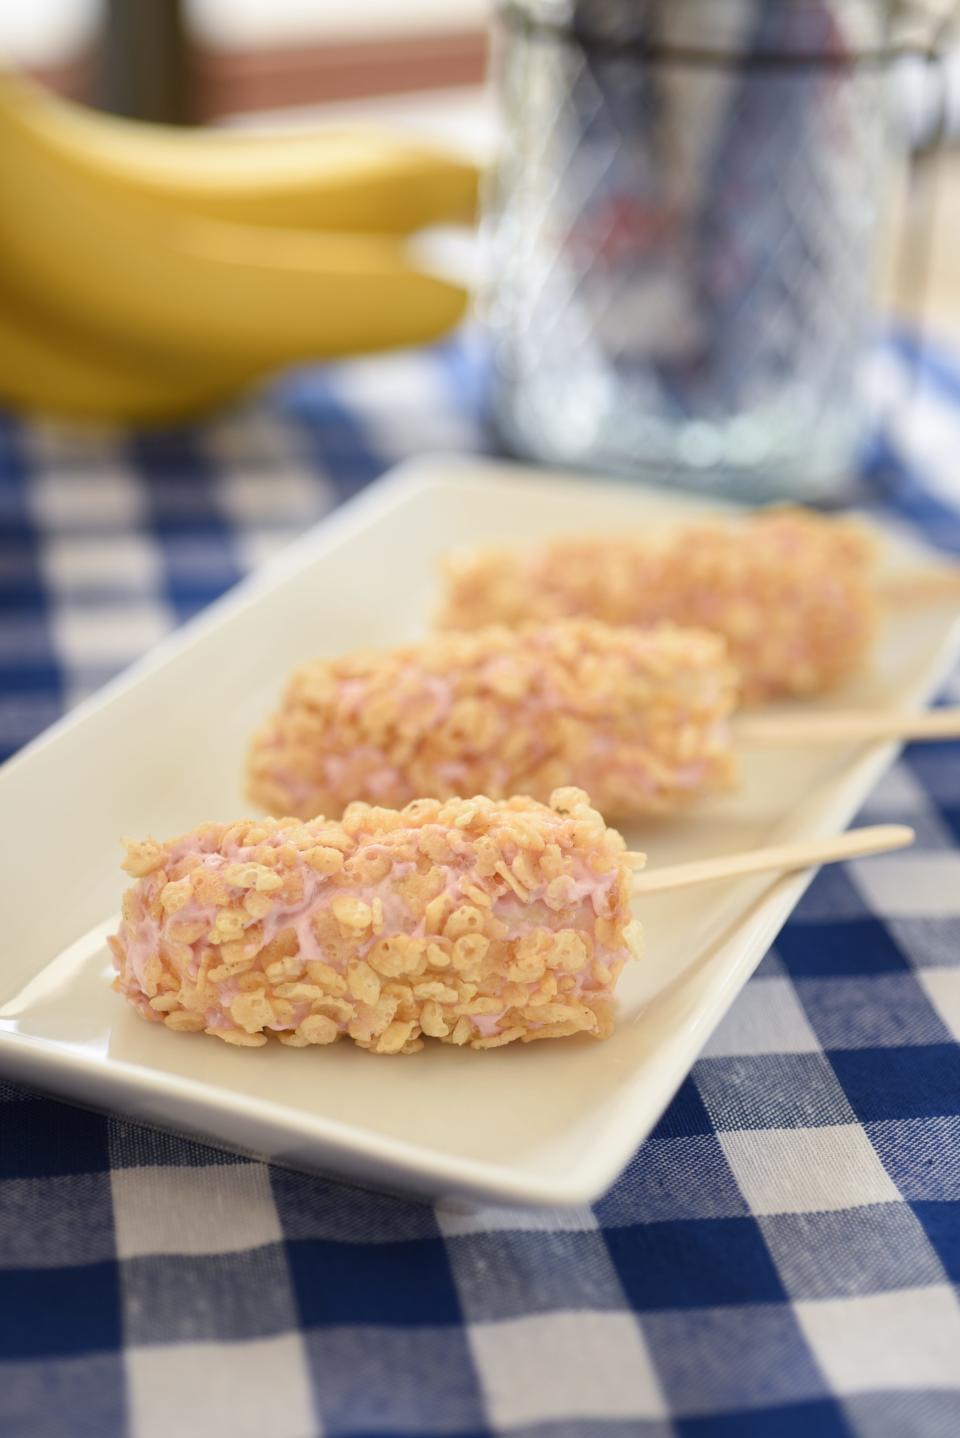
(123, 296)
(181, 284)
(331, 180)
(42, 373)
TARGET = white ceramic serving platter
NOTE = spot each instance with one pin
(162, 748)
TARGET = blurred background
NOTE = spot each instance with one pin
(276, 62)
(199, 60)
(684, 263)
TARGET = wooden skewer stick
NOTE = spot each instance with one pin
(846, 726)
(782, 858)
(920, 586)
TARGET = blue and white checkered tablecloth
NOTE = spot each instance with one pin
(782, 1256)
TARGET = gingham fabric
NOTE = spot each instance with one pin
(780, 1258)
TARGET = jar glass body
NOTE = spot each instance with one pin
(682, 233)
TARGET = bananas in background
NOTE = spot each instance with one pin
(147, 273)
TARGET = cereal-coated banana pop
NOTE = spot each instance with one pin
(791, 592)
(469, 921)
(637, 718)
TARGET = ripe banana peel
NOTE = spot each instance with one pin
(335, 179)
(46, 372)
(146, 274)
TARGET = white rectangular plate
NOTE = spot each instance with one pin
(162, 748)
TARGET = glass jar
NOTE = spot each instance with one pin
(683, 229)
